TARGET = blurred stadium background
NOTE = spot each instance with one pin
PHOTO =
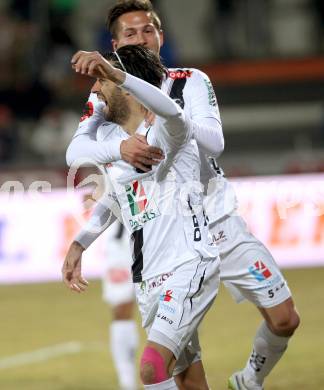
(266, 61)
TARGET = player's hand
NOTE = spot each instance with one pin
(93, 64)
(138, 153)
(71, 269)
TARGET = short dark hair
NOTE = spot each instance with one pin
(125, 6)
(140, 62)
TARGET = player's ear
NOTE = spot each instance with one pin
(114, 44)
(161, 34)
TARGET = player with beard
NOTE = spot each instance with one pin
(175, 282)
(247, 267)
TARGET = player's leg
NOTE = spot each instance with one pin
(193, 378)
(118, 292)
(282, 319)
(157, 364)
(249, 271)
(271, 340)
(180, 304)
(189, 372)
(123, 344)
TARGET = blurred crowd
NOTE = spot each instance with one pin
(40, 98)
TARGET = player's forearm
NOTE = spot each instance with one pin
(209, 135)
(82, 147)
(152, 97)
(101, 218)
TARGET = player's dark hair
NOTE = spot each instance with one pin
(140, 62)
(125, 6)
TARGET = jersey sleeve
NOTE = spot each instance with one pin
(200, 97)
(104, 214)
(84, 145)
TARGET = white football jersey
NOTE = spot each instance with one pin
(193, 90)
(165, 220)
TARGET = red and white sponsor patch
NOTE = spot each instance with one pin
(179, 74)
(87, 111)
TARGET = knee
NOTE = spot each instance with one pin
(189, 384)
(153, 369)
(286, 324)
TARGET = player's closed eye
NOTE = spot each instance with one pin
(149, 30)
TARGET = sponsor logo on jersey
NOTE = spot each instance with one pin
(141, 209)
(136, 197)
(179, 74)
(260, 271)
(211, 93)
(87, 111)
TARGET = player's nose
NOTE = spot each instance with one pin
(141, 39)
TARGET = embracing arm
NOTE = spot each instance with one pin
(84, 144)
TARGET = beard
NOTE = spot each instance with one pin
(117, 110)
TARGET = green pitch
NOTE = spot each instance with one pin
(52, 339)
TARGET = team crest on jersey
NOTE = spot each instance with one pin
(141, 209)
(260, 271)
(87, 111)
(179, 74)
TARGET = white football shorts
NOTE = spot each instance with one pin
(247, 268)
(172, 306)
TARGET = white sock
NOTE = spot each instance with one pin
(268, 348)
(166, 385)
(123, 344)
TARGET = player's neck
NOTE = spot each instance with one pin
(135, 119)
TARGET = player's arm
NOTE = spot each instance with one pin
(95, 65)
(205, 117)
(170, 115)
(104, 214)
(84, 145)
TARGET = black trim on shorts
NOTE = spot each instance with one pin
(188, 292)
(199, 287)
(137, 266)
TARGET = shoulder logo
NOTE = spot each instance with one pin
(179, 74)
(87, 111)
(211, 93)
